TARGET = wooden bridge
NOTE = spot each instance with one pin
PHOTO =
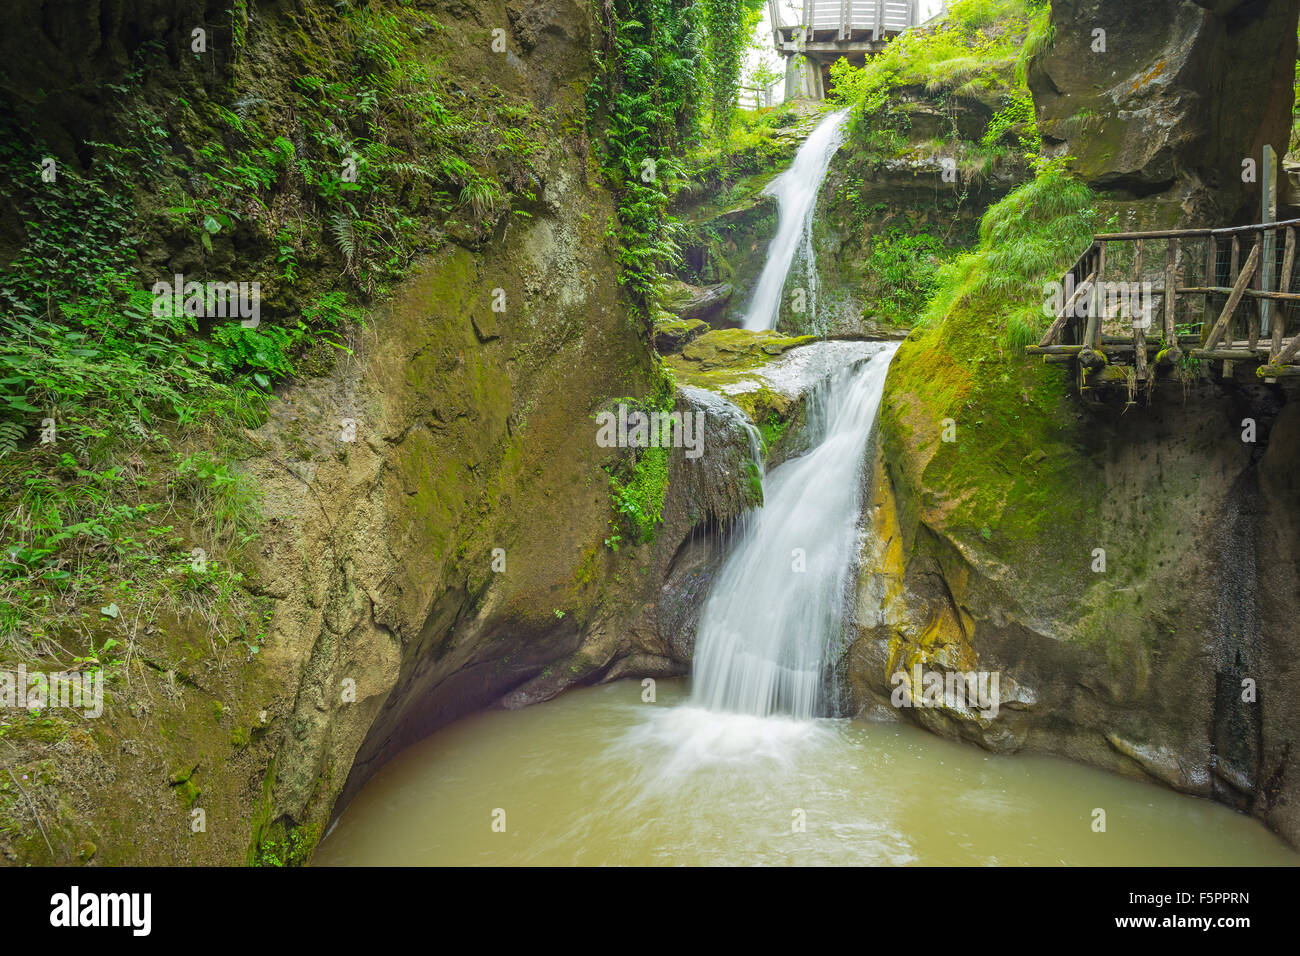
(831, 29)
(1179, 301)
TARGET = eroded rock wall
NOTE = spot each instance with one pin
(1139, 667)
(1129, 572)
(1182, 92)
(476, 453)
(435, 505)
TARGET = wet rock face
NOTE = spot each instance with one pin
(454, 556)
(1137, 663)
(1140, 668)
(1182, 93)
(761, 377)
(57, 55)
(708, 495)
(724, 252)
(694, 302)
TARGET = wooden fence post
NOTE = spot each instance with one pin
(1211, 280)
(1284, 285)
(1139, 330)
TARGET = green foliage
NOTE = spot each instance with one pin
(95, 536)
(654, 60)
(640, 498)
(105, 368)
(638, 480)
(902, 272)
(1015, 124)
(771, 429)
(1039, 37)
(754, 146)
(1026, 240)
(978, 50)
(642, 106)
(753, 482)
(224, 499)
(283, 846)
(729, 24)
(1003, 482)
(957, 67)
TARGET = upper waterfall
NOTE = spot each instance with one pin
(796, 192)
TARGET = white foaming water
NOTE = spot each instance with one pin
(796, 194)
(768, 631)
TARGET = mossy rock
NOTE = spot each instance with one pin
(735, 350)
(687, 301)
(672, 334)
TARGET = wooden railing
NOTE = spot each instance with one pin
(757, 97)
(846, 16)
(846, 20)
(1140, 300)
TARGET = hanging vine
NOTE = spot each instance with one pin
(657, 62)
(642, 109)
(725, 23)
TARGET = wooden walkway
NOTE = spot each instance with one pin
(1139, 306)
(829, 23)
(831, 29)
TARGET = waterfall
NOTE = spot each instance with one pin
(773, 621)
(796, 194)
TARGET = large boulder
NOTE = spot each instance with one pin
(688, 301)
(1163, 100)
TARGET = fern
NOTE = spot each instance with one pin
(414, 170)
(345, 237)
(11, 433)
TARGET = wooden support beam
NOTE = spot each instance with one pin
(1238, 287)
(1171, 286)
(1278, 371)
(1054, 330)
(1189, 233)
(1097, 310)
(1252, 314)
(1120, 340)
(1226, 290)
(1284, 286)
(1227, 355)
(1139, 329)
(1211, 280)
(1054, 349)
(1107, 375)
(1288, 353)
(1082, 265)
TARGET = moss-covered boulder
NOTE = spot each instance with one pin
(672, 334)
(1117, 566)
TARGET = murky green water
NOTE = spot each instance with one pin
(598, 777)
